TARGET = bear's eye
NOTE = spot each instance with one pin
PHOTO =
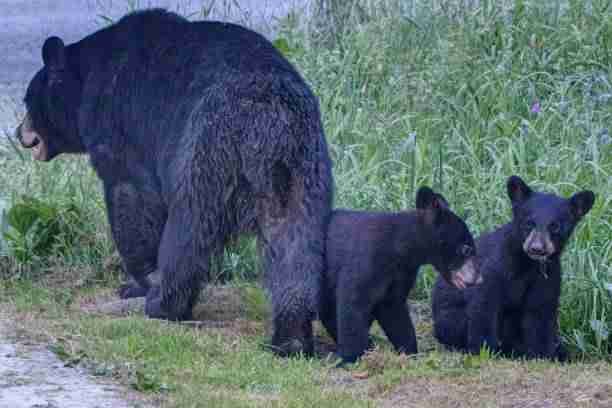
(529, 225)
(554, 227)
(466, 250)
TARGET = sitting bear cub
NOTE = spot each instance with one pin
(514, 311)
(372, 264)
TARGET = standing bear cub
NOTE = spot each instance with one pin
(199, 131)
(514, 311)
(372, 263)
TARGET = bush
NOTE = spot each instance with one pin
(39, 229)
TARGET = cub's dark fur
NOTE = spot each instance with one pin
(515, 309)
(372, 263)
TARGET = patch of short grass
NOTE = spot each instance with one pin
(223, 362)
(220, 364)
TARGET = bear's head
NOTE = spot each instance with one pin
(452, 248)
(52, 101)
(541, 222)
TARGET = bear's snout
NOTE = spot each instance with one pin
(538, 245)
(466, 275)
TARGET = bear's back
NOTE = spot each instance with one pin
(170, 41)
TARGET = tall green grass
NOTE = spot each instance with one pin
(442, 94)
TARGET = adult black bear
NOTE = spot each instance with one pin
(373, 259)
(514, 311)
(199, 131)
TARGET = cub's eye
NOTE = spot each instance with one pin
(529, 225)
(554, 227)
(466, 250)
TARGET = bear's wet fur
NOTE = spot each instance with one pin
(372, 262)
(199, 131)
(515, 309)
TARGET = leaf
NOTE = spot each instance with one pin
(3, 226)
(75, 360)
(361, 375)
(60, 351)
(471, 361)
(103, 370)
(282, 45)
(22, 217)
(580, 343)
(36, 227)
(147, 382)
(600, 328)
(609, 287)
(433, 363)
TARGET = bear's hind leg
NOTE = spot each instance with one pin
(136, 219)
(328, 319)
(293, 264)
(292, 221)
(184, 261)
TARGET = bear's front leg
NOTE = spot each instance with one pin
(136, 219)
(539, 333)
(511, 335)
(483, 320)
(539, 324)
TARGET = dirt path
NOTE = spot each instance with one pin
(33, 377)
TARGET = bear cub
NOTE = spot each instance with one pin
(514, 311)
(372, 263)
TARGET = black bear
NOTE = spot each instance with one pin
(372, 262)
(514, 311)
(199, 131)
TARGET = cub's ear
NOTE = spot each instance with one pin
(427, 199)
(54, 54)
(518, 190)
(581, 203)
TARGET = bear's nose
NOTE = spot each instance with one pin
(537, 248)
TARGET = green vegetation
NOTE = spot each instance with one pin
(455, 97)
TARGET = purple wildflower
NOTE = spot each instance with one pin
(535, 108)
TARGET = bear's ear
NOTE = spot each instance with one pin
(54, 54)
(581, 203)
(427, 199)
(518, 191)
